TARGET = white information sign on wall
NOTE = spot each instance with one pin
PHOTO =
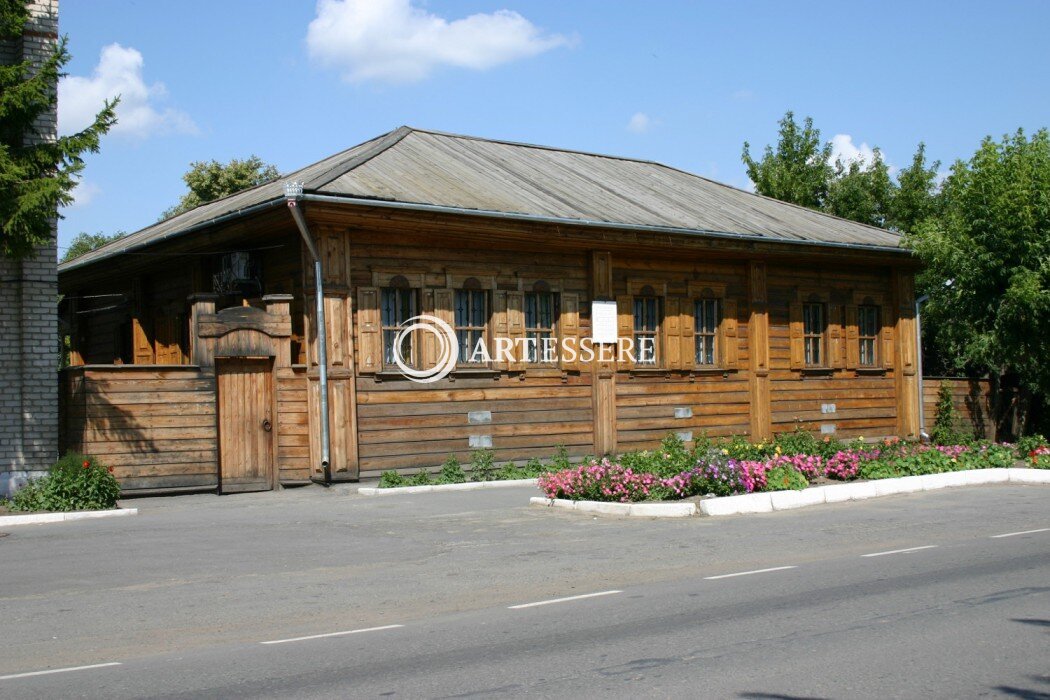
(603, 321)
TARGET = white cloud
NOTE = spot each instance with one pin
(392, 41)
(119, 72)
(640, 123)
(743, 95)
(83, 193)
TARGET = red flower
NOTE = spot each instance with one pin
(110, 469)
(87, 464)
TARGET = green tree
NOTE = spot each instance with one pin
(37, 176)
(87, 242)
(798, 170)
(211, 180)
(988, 264)
(916, 198)
(861, 192)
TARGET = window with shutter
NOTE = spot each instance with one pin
(705, 332)
(814, 328)
(868, 335)
(470, 308)
(540, 313)
(397, 305)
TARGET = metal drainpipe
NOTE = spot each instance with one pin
(918, 364)
(293, 192)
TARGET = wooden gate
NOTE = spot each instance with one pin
(245, 399)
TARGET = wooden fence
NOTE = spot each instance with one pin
(155, 425)
(973, 404)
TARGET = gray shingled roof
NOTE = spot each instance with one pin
(475, 175)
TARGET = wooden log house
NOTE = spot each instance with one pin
(194, 351)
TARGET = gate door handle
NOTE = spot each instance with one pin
(267, 425)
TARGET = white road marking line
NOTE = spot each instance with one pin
(1026, 532)
(332, 634)
(900, 551)
(58, 670)
(748, 573)
(561, 600)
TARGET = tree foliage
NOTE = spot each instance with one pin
(916, 198)
(87, 242)
(797, 171)
(987, 256)
(861, 192)
(36, 178)
(211, 180)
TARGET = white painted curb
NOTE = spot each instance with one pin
(816, 495)
(466, 486)
(36, 518)
(637, 510)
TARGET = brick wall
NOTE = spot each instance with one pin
(28, 322)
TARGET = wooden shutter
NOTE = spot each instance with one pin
(686, 340)
(798, 354)
(516, 328)
(142, 345)
(428, 340)
(886, 317)
(836, 355)
(672, 333)
(443, 310)
(624, 328)
(852, 338)
(500, 329)
(729, 337)
(369, 331)
(569, 328)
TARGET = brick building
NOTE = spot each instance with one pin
(28, 321)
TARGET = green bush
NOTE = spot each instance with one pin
(987, 456)
(75, 482)
(1029, 444)
(391, 479)
(451, 472)
(421, 478)
(785, 478)
(482, 465)
(943, 431)
(561, 459)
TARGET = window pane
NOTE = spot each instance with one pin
(478, 311)
(461, 307)
(531, 311)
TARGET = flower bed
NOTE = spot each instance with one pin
(792, 461)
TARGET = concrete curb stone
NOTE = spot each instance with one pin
(38, 518)
(465, 486)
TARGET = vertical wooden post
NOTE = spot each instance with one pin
(603, 372)
(141, 340)
(334, 247)
(76, 358)
(758, 350)
(201, 351)
(907, 382)
(279, 305)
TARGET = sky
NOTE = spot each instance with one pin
(682, 83)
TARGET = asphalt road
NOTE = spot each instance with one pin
(321, 594)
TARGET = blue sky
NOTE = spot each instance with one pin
(684, 83)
